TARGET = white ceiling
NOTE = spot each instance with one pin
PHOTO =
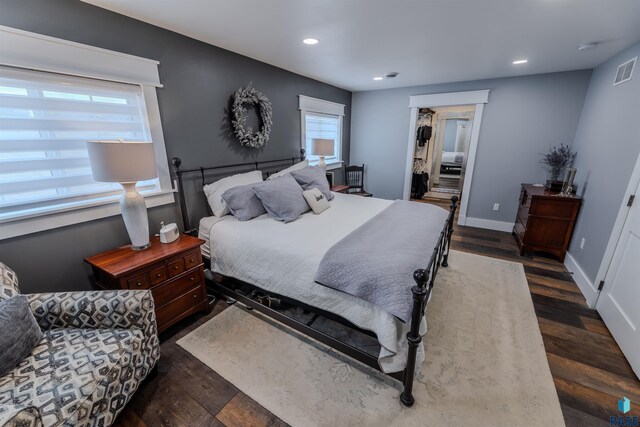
(427, 41)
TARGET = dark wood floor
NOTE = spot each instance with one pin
(589, 370)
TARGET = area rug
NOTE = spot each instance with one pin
(485, 362)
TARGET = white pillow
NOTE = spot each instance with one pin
(214, 190)
(303, 164)
(316, 200)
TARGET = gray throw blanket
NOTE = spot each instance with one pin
(376, 261)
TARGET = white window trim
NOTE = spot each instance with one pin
(28, 50)
(307, 104)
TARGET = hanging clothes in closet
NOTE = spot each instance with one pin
(424, 131)
(420, 179)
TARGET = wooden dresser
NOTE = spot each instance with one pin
(545, 221)
(173, 271)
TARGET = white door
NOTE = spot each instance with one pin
(619, 301)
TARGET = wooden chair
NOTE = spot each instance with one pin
(354, 178)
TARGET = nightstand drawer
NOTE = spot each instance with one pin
(158, 275)
(176, 267)
(141, 281)
(169, 291)
(191, 260)
(179, 306)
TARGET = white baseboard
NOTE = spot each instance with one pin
(589, 291)
(489, 224)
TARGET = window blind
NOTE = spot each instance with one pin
(322, 126)
(45, 121)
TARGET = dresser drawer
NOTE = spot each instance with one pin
(191, 260)
(158, 275)
(169, 291)
(179, 306)
(141, 281)
(176, 267)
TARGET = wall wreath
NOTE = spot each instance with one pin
(247, 137)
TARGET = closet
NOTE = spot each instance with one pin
(421, 164)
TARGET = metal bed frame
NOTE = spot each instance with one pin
(423, 277)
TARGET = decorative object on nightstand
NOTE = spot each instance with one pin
(173, 272)
(545, 221)
(322, 147)
(354, 178)
(556, 160)
(127, 163)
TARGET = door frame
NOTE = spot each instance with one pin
(623, 212)
(416, 102)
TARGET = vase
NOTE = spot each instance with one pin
(554, 178)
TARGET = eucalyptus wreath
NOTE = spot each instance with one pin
(250, 96)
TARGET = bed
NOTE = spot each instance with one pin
(452, 162)
(282, 259)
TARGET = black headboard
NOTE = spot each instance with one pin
(180, 173)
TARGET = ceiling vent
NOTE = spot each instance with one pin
(625, 71)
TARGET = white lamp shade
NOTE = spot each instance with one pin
(322, 147)
(120, 161)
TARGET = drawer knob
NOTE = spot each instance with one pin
(192, 278)
(191, 260)
(158, 274)
(195, 296)
(138, 284)
(175, 267)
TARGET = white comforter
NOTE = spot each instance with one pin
(283, 258)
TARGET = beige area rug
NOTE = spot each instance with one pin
(485, 365)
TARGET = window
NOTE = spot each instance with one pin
(45, 121)
(321, 119)
(54, 95)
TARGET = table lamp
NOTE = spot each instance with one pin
(322, 147)
(127, 163)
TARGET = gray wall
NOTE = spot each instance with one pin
(608, 143)
(198, 81)
(524, 116)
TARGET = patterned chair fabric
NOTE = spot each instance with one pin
(8, 282)
(97, 348)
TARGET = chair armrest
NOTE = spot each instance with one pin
(19, 416)
(95, 310)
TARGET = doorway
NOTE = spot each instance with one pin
(449, 174)
(442, 157)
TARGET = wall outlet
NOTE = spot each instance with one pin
(582, 243)
(496, 206)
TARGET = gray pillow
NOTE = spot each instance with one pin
(19, 332)
(243, 202)
(282, 198)
(313, 177)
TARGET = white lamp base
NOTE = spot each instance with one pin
(134, 213)
(321, 163)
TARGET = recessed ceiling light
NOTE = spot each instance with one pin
(310, 41)
(520, 61)
(378, 78)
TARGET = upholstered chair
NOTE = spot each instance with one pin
(96, 349)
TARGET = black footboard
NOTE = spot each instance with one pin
(424, 279)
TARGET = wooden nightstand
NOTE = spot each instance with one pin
(173, 271)
(339, 188)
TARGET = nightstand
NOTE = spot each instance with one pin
(174, 273)
(339, 188)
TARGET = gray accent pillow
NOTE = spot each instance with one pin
(19, 332)
(243, 202)
(313, 177)
(282, 198)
